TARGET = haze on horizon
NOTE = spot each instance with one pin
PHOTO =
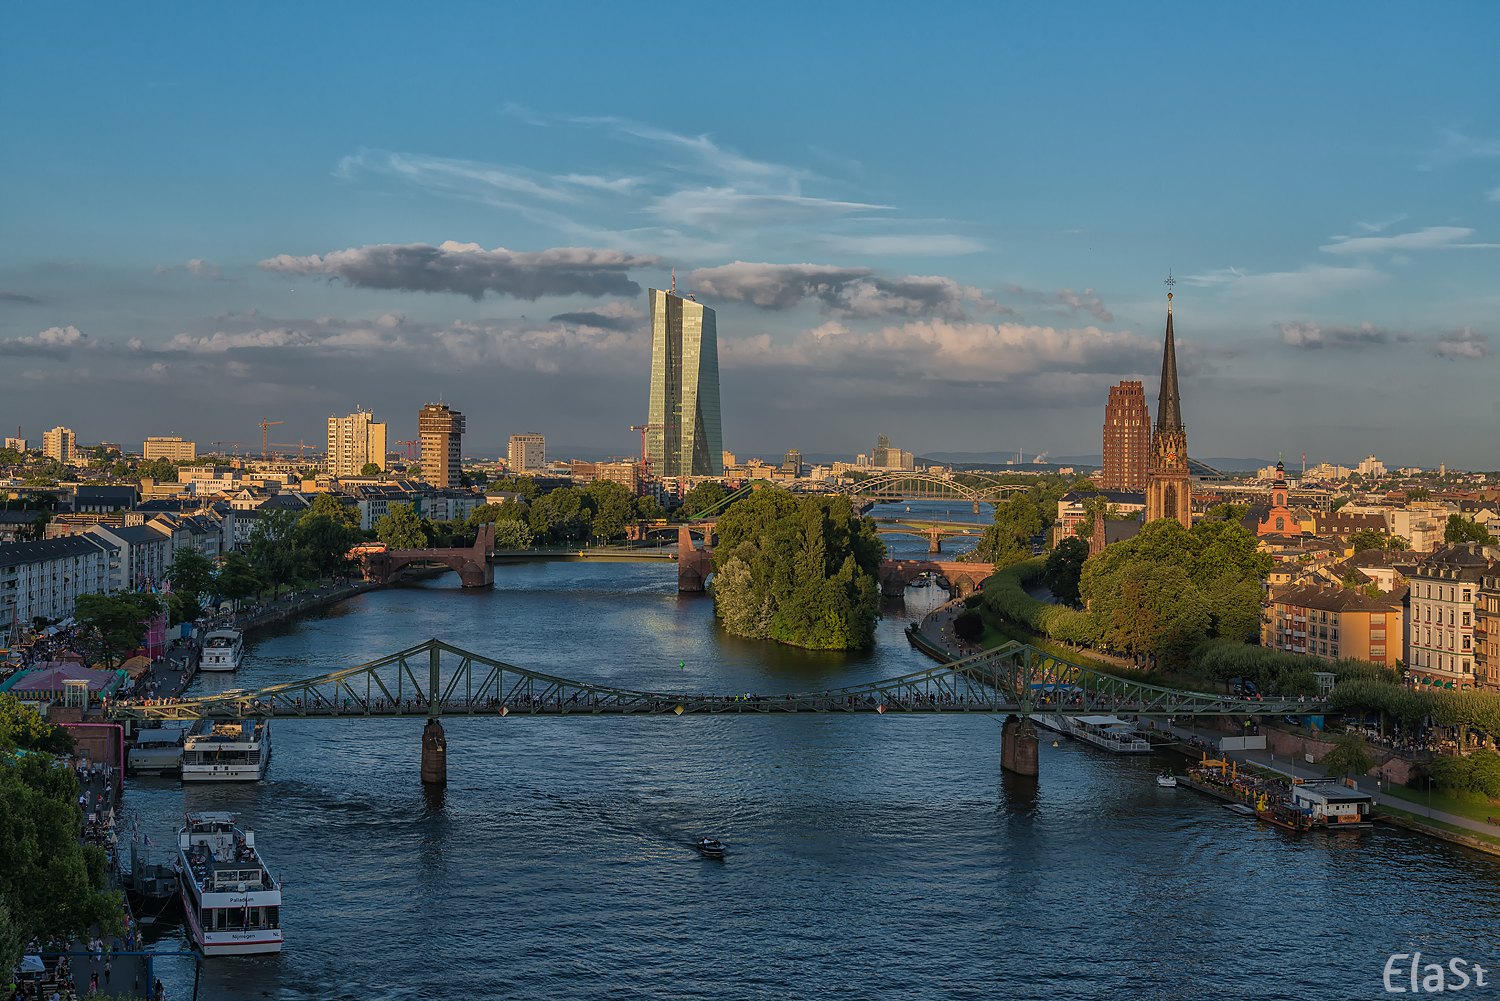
(951, 230)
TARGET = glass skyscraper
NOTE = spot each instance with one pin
(683, 436)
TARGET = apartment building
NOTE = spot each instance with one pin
(441, 432)
(353, 442)
(1444, 593)
(171, 449)
(145, 553)
(527, 453)
(44, 579)
(1332, 622)
(60, 443)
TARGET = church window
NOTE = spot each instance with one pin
(1280, 524)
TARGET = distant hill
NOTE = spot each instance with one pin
(976, 459)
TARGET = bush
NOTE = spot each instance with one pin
(969, 626)
(1005, 596)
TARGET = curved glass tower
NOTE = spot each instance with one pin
(683, 436)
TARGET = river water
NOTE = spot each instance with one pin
(870, 857)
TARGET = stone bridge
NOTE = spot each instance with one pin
(472, 565)
(963, 578)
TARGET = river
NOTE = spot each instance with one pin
(870, 857)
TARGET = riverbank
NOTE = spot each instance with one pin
(299, 603)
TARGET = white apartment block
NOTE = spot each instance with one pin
(354, 441)
(19, 444)
(1423, 522)
(1440, 644)
(1371, 466)
(44, 579)
(60, 444)
(171, 449)
(528, 453)
(145, 553)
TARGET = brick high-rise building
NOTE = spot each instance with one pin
(441, 432)
(1127, 439)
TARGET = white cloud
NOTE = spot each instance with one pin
(857, 293)
(1457, 148)
(197, 267)
(1463, 343)
(467, 269)
(1310, 282)
(912, 245)
(1313, 335)
(54, 342)
(1431, 238)
(728, 209)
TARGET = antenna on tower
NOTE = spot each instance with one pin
(674, 281)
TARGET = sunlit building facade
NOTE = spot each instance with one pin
(684, 436)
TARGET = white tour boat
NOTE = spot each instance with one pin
(232, 902)
(1107, 732)
(223, 649)
(233, 751)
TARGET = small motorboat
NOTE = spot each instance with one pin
(710, 847)
(1167, 780)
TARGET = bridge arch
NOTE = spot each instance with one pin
(902, 485)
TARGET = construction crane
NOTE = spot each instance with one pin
(301, 447)
(409, 451)
(643, 428)
(265, 448)
(236, 445)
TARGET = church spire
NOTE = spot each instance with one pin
(1169, 403)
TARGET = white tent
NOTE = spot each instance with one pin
(32, 964)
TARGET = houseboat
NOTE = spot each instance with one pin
(232, 902)
(156, 752)
(223, 649)
(227, 751)
(1109, 733)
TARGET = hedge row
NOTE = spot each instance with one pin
(1005, 595)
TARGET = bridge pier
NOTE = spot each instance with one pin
(434, 754)
(1019, 746)
(934, 543)
(976, 507)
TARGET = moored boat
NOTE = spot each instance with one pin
(223, 649)
(232, 902)
(227, 751)
(1107, 732)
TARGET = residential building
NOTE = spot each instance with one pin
(1332, 622)
(1444, 589)
(1327, 471)
(59, 444)
(441, 431)
(684, 435)
(1072, 507)
(171, 449)
(19, 444)
(1127, 438)
(729, 460)
(145, 553)
(202, 532)
(88, 498)
(1168, 486)
(1371, 467)
(17, 525)
(527, 453)
(450, 505)
(374, 500)
(1487, 631)
(630, 475)
(1342, 525)
(44, 579)
(1422, 523)
(354, 442)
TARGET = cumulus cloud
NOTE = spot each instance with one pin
(857, 293)
(610, 316)
(956, 351)
(467, 269)
(197, 267)
(1315, 335)
(1461, 343)
(1431, 238)
(1088, 302)
(54, 342)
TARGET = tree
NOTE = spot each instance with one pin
(1007, 539)
(512, 534)
(802, 571)
(702, 497)
(162, 470)
(647, 508)
(115, 624)
(326, 539)
(237, 579)
(1398, 544)
(1064, 569)
(1419, 493)
(560, 516)
(613, 506)
(1229, 512)
(401, 528)
(1460, 530)
(22, 726)
(370, 469)
(1349, 754)
(191, 574)
(273, 549)
(1367, 538)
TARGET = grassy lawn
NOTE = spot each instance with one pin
(1474, 811)
(1420, 819)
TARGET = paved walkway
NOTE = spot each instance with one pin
(1309, 772)
(937, 626)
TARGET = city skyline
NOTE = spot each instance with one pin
(1333, 256)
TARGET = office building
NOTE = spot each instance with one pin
(441, 431)
(1168, 488)
(683, 436)
(528, 453)
(1127, 438)
(353, 442)
(792, 463)
(171, 449)
(59, 444)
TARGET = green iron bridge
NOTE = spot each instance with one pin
(437, 681)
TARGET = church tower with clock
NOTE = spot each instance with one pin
(1168, 489)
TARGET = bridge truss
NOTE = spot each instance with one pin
(435, 680)
(974, 488)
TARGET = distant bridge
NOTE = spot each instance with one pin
(981, 488)
(935, 532)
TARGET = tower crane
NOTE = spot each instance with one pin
(264, 447)
(236, 445)
(643, 428)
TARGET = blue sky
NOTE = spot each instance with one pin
(949, 225)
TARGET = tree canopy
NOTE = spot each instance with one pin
(370, 469)
(1007, 539)
(1459, 530)
(1064, 569)
(401, 528)
(1168, 588)
(115, 624)
(802, 571)
(1367, 538)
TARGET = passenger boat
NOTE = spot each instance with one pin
(233, 751)
(223, 649)
(711, 847)
(1167, 780)
(156, 752)
(232, 902)
(1107, 732)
